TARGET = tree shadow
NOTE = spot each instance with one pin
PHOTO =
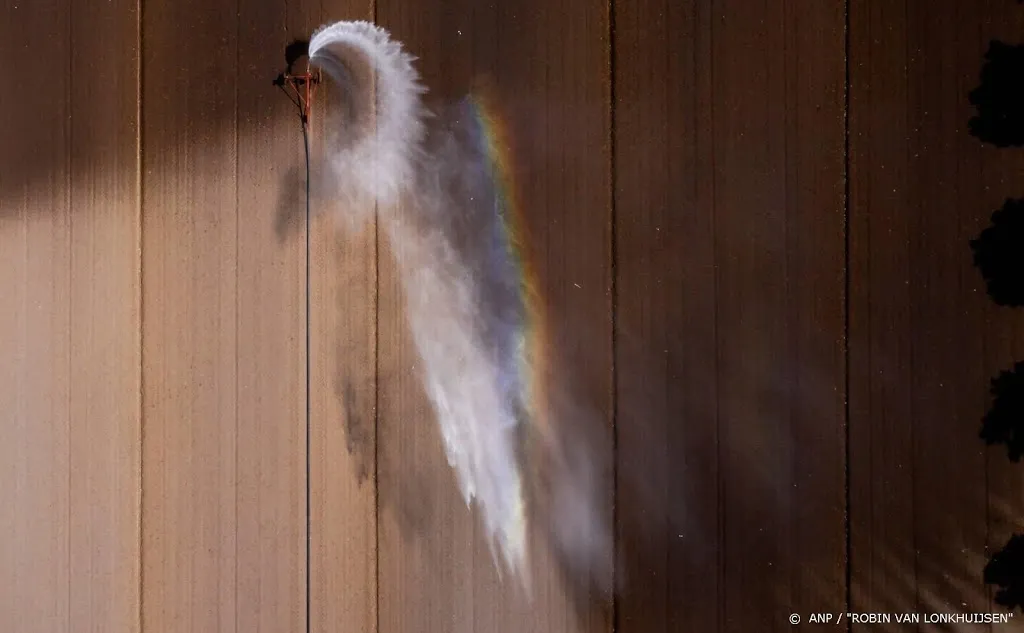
(999, 98)
(1004, 422)
(1005, 570)
(999, 254)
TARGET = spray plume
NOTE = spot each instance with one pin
(444, 197)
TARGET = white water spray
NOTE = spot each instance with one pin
(382, 156)
(437, 203)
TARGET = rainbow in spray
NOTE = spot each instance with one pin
(525, 355)
(514, 237)
(555, 459)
